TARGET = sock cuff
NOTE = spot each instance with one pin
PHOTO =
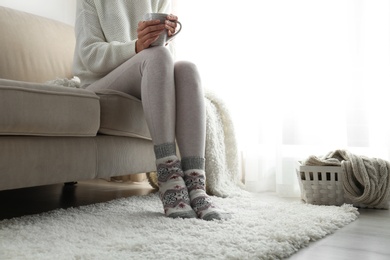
(189, 163)
(164, 150)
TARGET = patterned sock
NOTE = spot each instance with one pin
(172, 189)
(195, 179)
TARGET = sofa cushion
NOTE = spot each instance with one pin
(122, 115)
(34, 48)
(47, 110)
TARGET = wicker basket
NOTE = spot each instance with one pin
(321, 185)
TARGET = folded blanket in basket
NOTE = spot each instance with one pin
(366, 180)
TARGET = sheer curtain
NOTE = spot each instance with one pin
(300, 77)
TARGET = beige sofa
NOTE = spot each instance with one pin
(54, 134)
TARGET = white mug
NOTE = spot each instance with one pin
(163, 38)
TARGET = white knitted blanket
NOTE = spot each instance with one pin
(366, 180)
(222, 158)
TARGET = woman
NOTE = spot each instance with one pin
(113, 52)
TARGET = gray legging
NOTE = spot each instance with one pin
(171, 95)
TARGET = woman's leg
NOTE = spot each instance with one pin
(191, 138)
(190, 112)
(149, 75)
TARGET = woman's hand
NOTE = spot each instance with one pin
(148, 32)
(170, 24)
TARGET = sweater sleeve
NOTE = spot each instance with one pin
(165, 7)
(97, 55)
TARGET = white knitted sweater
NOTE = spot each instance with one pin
(106, 33)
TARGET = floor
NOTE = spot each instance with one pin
(19, 202)
(367, 238)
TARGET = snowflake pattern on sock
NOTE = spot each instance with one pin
(202, 203)
(172, 198)
(173, 191)
(195, 181)
(169, 170)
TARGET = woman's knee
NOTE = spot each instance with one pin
(186, 68)
(159, 56)
(187, 72)
(187, 78)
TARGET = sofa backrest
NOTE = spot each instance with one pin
(34, 48)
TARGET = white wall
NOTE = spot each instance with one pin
(61, 10)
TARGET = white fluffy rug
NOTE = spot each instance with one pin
(135, 228)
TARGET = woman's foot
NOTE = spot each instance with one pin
(200, 201)
(172, 188)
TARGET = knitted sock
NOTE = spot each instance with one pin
(195, 179)
(172, 189)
